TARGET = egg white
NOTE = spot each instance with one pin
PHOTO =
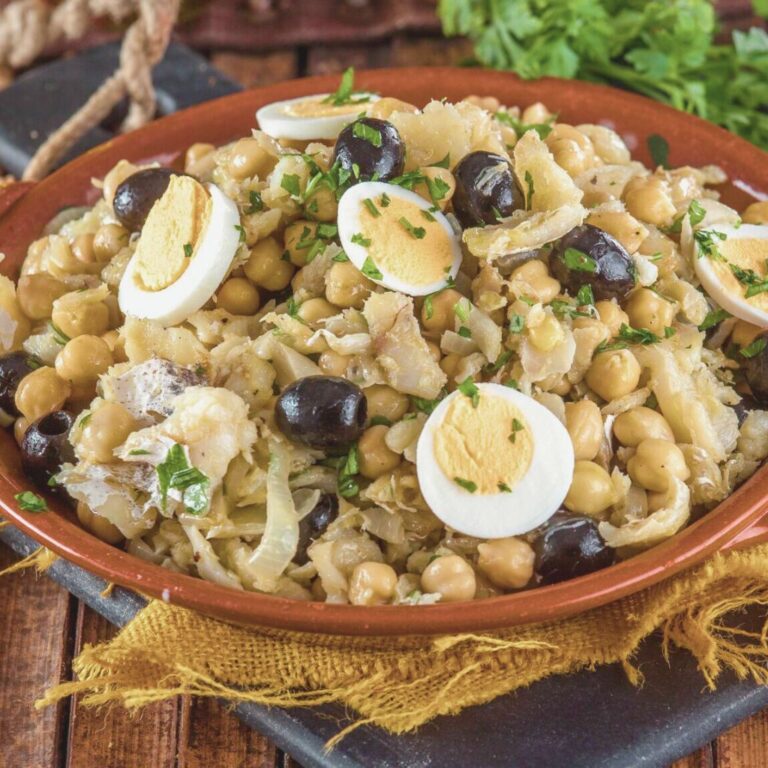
(738, 305)
(348, 222)
(212, 259)
(533, 500)
(276, 122)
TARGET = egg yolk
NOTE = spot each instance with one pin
(746, 254)
(317, 108)
(484, 447)
(404, 243)
(171, 232)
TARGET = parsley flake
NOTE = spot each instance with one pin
(361, 130)
(31, 502)
(187, 250)
(754, 349)
(418, 232)
(359, 239)
(579, 261)
(256, 203)
(370, 269)
(467, 485)
(469, 388)
(504, 488)
(372, 209)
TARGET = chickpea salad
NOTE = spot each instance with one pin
(381, 354)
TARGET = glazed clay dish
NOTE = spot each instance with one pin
(430, 336)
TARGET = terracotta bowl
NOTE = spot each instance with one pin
(25, 208)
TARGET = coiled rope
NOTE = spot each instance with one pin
(27, 27)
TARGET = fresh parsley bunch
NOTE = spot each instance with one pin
(662, 49)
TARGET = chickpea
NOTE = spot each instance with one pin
(450, 365)
(41, 392)
(546, 334)
(84, 359)
(434, 351)
(108, 427)
(655, 463)
(489, 103)
(585, 426)
(375, 459)
(247, 158)
(437, 315)
(656, 501)
(649, 199)
(108, 241)
(591, 490)
(641, 423)
(612, 315)
(199, 159)
(346, 286)
(646, 309)
(623, 226)
(756, 213)
(61, 260)
(613, 374)
(384, 108)
(266, 266)
(743, 333)
(572, 150)
(434, 173)
(313, 310)
(664, 252)
(99, 526)
(533, 281)
(536, 113)
(301, 233)
(507, 563)
(387, 402)
(36, 294)
(322, 205)
(238, 296)
(76, 319)
(333, 364)
(372, 584)
(83, 251)
(451, 577)
(20, 427)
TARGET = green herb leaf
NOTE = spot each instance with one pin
(187, 250)
(292, 306)
(531, 189)
(585, 297)
(469, 388)
(462, 309)
(371, 270)
(59, 336)
(501, 361)
(31, 502)
(517, 426)
(519, 127)
(754, 349)
(579, 261)
(256, 203)
(367, 133)
(444, 163)
(504, 488)
(464, 332)
(340, 257)
(292, 185)
(637, 335)
(417, 232)
(426, 406)
(358, 239)
(511, 383)
(705, 240)
(467, 485)
(385, 200)
(696, 213)
(346, 485)
(381, 421)
(327, 231)
(713, 318)
(516, 323)
(241, 231)
(427, 215)
(409, 180)
(429, 308)
(438, 188)
(138, 452)
(372, 209)
(176, 472)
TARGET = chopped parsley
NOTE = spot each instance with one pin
(426, 406)
(444, 163)
(705, 240)
(358, 239)
(754, 349)
(464, 332)
(241, 231)
(462, 309)
(381, 420)
(385, 200)
(467, 485)
(371, 270)
(637, 335)
(516, 323)
(356, 170)
(84, 419)
(339, 257)
(504, 488)
(187, 250)
(367, 133)
(31, 502)
(327, 231)
(427, 215)
(519, 127)
(501, 361)
(256, 203)
(579, 261)
(585, 297)
(59, 336)
(469, 388)
(696, 213)
(563, 308)
(138, 452)
(345, 93)
(346, 485)
(372, 209)
(517, 426)
(418, 232)
(176, 472)
(511, 383)
(429, 309)
(749, 278)
(438, 188)
(669, 332)
(713, 318)
(531, 189)
(292, 306)
(292, 185)
(658, 147)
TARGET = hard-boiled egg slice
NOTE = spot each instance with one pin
(398, 239)
(186, 248)
(493, 462)
(731, 263)
(310, 117)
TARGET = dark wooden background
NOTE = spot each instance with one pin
(42, 627)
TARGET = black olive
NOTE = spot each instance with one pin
(744, 407)
(486, 189)
(46, 446)
(570, 546)
(370, 148)
(756, 369)
(13, 368)
(322, 412)
(315, 523)
(589, 256)
(136, 195)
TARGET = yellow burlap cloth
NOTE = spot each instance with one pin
(400, 683)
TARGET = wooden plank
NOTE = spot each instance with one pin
(110, 736)
(327, 59)
(745, 745)
(212, 736)
(704, 758)
(430, 51)
(252, 71)
(35, 631)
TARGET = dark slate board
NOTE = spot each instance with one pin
(588, 720)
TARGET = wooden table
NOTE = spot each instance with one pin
(42, 627)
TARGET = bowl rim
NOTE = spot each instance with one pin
(716, 530)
